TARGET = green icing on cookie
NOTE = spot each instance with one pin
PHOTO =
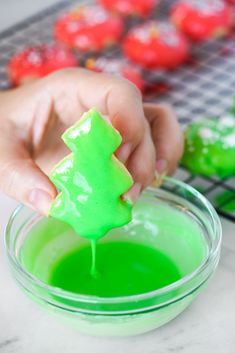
(210, 147)
(225, 201)
(91, 180)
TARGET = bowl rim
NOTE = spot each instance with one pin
(215, 247)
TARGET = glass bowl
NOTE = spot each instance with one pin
(176, 219)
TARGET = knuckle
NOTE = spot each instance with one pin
(11, 174)
(64, 72)
(138, 131)
(127, 88)
(167, 110)
(145, 173)
(8, 173)
(66, 75)
(142, 132)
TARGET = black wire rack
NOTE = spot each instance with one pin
(203, 87)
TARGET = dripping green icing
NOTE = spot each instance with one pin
(159, 246)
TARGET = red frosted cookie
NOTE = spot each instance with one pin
(117, 67)
(130, 7)
(202, 20)
(156, 45)
(38, 61)
(89, 29)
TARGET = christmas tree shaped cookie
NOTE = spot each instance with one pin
(91, 180)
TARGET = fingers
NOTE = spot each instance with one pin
(142, 167)
(21, 178)
(167, 136)
(121, 101)
(125, 107)
(117, 98)
(142, 162)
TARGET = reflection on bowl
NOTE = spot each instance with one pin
(176, 220)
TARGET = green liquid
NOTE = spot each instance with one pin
(94, 272)
(161, 245)
(121, 268)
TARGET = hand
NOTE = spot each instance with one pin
(166, 135)
(34, 116)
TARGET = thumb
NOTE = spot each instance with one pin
(22, 179)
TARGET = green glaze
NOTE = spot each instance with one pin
(159, 246)
(225, 201)
(123, 269)
(91, 180)
(93, 271)
(210, 147)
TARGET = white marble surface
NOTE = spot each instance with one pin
(207, 326)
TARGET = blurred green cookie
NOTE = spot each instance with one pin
(210, 147)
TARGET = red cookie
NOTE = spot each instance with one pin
(117, 67)
(203, 20)
(89, 29)
(38, 61)
(130, 7)
(156, 45)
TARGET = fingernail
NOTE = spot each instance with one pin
(158, 180)
(40, 200)
(161, 166)
(124, 152)
(133, 193)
